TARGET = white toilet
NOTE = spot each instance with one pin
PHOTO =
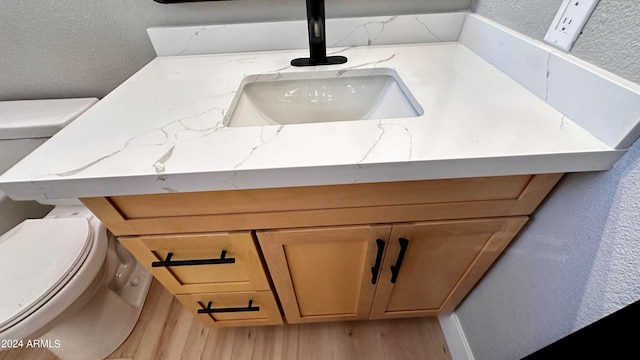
(67, 284)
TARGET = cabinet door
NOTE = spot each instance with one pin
(201, 262)
(325, 274)
(234, 309)
(440, 263)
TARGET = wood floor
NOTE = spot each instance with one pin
(166, 330)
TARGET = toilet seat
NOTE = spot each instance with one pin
(40, 256)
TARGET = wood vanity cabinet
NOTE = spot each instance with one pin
(376, 272)
(335, 252)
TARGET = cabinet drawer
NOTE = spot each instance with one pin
(234, 309)
(201, 262)
(323, 205)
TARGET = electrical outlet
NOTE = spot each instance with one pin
(568, 23)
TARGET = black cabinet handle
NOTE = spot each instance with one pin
(167, 261)
(376, 268)
(209, 310)
(395, 269)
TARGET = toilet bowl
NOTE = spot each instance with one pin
(70, 286)
(66, 283)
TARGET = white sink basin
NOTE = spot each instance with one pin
(324, 96)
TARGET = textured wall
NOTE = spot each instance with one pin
(530, 17)
(610, 39)
(71, 48)
(578, 260)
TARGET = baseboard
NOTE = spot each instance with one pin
(455, 337)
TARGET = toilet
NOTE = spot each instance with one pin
(67, 284)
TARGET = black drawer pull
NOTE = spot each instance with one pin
(395, 269)
(209, 310)
(376, 268)
(167, 261)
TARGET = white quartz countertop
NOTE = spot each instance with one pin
(162, 131)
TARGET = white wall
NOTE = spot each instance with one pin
(71, 48)
(578, 260)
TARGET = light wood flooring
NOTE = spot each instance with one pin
(166, 330)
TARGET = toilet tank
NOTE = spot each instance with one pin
(25, 125)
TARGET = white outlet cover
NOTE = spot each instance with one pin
(568, 23)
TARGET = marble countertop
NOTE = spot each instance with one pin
(162, 131)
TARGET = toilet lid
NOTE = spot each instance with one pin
(37, 258)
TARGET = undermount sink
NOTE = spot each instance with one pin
(324, 96)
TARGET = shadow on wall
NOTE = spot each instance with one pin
(13, 212)
(577, 261)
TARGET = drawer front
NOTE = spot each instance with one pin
(234, 309)
(323, 205)
(201, 262)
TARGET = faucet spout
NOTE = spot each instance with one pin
(317, 38)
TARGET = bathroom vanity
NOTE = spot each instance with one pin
(337, 252)
(261, 223)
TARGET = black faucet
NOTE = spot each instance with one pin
(317, 38)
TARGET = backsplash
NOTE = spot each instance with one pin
(603, 103)
(286, 35)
